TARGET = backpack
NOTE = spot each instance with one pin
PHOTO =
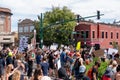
(106, 78)
(89, 73)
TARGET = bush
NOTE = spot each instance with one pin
(101, 69)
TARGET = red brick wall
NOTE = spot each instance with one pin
(99, 28)
(108, 28)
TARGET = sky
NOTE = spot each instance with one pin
(29, 9)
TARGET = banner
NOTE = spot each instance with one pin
(78, 46)
(23, 44)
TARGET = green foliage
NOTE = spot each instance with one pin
(114, 44)
(92, 63)
(57, 33)
(101, 69)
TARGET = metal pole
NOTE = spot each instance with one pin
(34, 39)
(84, 38)
(41, 31)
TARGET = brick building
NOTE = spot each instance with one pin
(5, 20)
(6, 37)
(91, 33)
(25, 28)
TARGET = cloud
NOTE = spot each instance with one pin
(22, 9)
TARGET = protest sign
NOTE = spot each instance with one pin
(78, 46)
(111, 51)
(23, 44)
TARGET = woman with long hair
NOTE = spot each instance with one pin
(9, 72)
(37, 74)
(16, 75)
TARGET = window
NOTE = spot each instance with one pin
(20, 29)
(106, 35)
(102, 34)
(77, 33)
(93, 34)
(87, 34)
(26, 29)
(82, 34)
(117, 35)
(6, 38)
(31, 28)
(2, 22)
(110, 43)
(111, 35)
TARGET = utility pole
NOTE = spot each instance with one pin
(41, 31)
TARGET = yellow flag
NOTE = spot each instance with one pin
(78, 45)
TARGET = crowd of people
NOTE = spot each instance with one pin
(60, 64)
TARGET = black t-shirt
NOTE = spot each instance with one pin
(94, 70)
(30, 62)
(50, 60)
(77, 64)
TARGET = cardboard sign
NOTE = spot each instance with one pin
(53, 47)
(99, 53)
(111, 51)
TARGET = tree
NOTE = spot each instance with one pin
(57, 33)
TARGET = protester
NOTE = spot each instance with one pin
(16, 75)
(75, 70)
(63, 57)
(83, 53)
(117, 75)
(51, 63)
(45, 66)
(114, 66)
(82, 70)
(57, 63)
(38, 58)
(9, 59)
(30, 65)
(108, 75)
(10, 71)
(2, 65)
(37, 74)
(93, 72)
(62, 74)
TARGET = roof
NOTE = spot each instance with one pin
(101, 23)
(5, 10)
(25, 21)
